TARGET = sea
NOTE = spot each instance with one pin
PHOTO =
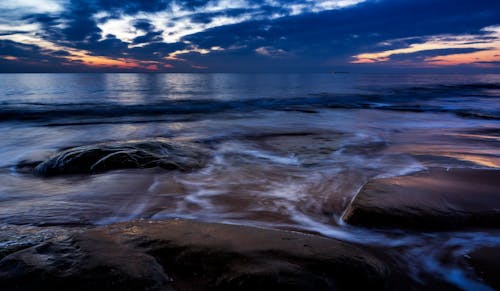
(289, 151)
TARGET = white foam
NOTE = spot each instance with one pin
(242, 149)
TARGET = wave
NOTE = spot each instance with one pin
(38, 111)
(465, 100)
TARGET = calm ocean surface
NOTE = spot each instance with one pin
(290, 150)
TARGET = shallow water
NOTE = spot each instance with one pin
(288, 151)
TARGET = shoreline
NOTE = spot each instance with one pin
(179, 254)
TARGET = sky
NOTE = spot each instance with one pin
(250, 36)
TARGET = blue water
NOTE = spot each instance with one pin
(287, 149)
(53, 96)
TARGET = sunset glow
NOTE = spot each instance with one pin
(488, 45)
(222, 35)
(99, 61)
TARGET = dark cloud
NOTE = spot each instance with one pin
(129, 7)
(143, 24)
(152, 36)
(155, 51)
(28, 58)
(60, 53)
(41, 18)
(109, 46)
(80, 24)
(419, 56)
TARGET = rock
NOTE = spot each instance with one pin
(309, 148)
(17, 237)
(486, 262)
(187, 255)
(80, 264)
(436, 199)
(103, 157)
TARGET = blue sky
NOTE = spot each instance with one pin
(249, 36)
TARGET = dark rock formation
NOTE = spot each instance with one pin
(436, 199)
(486, 263)
(17, 237)
(186, 255)
(103, 157)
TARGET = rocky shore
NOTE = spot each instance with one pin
(178, 254)
(189, 255)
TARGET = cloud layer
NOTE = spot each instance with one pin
(248, 36)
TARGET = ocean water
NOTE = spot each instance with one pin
(290, 151)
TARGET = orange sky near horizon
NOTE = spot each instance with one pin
(122, 63)
(488, 51)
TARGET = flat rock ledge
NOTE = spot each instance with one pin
(435, 199)
(135, 154)
(485, 262)
(188, 255)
